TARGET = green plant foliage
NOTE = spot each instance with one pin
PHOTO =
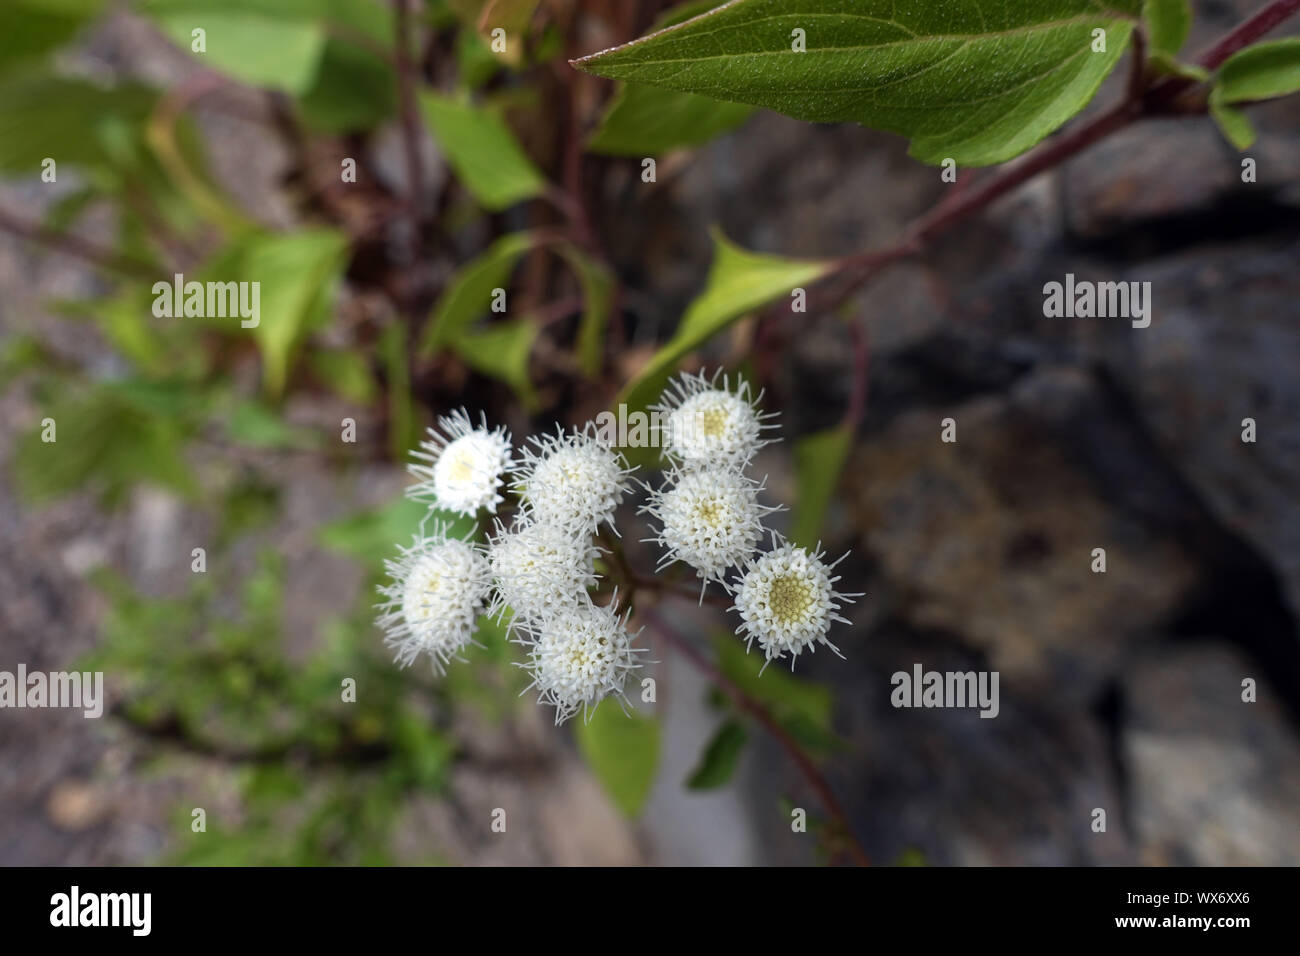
(803, 708)
(468, 296)
(718, 762)
(645, 120)
(29, 29)
(258, 50)
(597, 284)
(979, 82)
(109, 437)
(501, 351)
(73, 121)
(818, 461)
(1259, 72)
(402, 431)
(354, 88)
(298, 273)
(253, 423)
(483, 151)
(1168, 23)
(321, 779)
(623, 753)
(347, 373)
(739, 282)
(368, 536)
(648, 120)
(1233, 123)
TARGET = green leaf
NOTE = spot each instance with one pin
(502, 351)
(346, 372)
(623, 753)
(29, 29)
(979, 82)
(718, 762)
(739, 282)
(468, 295)
(253, 423)
(354, 89)
(107, 440)
(70, 121)
(298, 275)
(512, 16)
(1232, 122)
(254, 48)
(1260, 72)
(597, 295)
(818, 460)
(483, 151)
(1168, 23)
(649, 120)
(645, 120)
(803, 708)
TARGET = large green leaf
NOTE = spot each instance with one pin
(468, 295)
(818, 460)
(739, 281)
(980, 81)
(483, 151)
(623, 753)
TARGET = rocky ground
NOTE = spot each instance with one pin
(1119, 691)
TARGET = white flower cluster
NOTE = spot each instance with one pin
(540, 568)
(710, 518)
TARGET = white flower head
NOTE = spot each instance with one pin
(704, 424)
(787, 601)
(581, 656)
(539, 569)
(463, 465)
(438, 590)
(572, 480)
(709, 518)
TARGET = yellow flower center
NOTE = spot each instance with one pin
(713, 421)
(790, 598)
(708, 511)
(462, 465)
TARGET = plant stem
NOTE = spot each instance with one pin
(406, 83)
(760, 713)
(1248, 32)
